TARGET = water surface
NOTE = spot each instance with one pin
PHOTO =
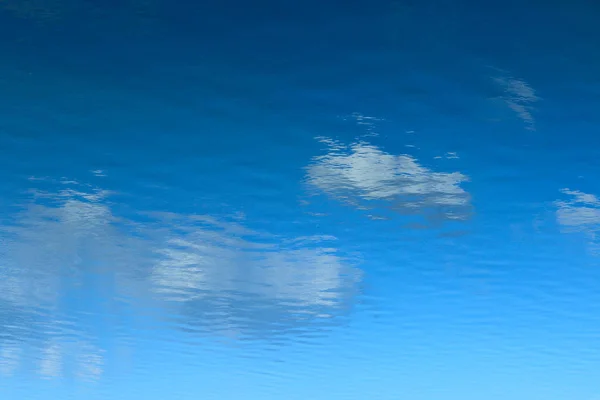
(217, 200)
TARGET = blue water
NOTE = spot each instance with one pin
(299, 200)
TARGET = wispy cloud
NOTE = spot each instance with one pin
(519, 97)
(368, 123)
(85, 360)
(10, 357)
(51, 362)
(89, 362)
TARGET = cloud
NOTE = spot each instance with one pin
(519, 97)
(580, 214)
(363, 175)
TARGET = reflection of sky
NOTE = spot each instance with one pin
(170, 227)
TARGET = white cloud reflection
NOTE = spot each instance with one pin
(519, 97)
(361, 174)
(85, 360)
(211, 274)
(581, 213)
(188, 270)
(89, 363)
(51, 361)
(44, 246)
(239, 280)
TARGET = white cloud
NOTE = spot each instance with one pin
(580, 214)
(361, 173)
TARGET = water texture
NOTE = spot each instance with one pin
(299, 200)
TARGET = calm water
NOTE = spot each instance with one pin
(299, 200)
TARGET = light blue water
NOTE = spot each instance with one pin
(299, 200)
